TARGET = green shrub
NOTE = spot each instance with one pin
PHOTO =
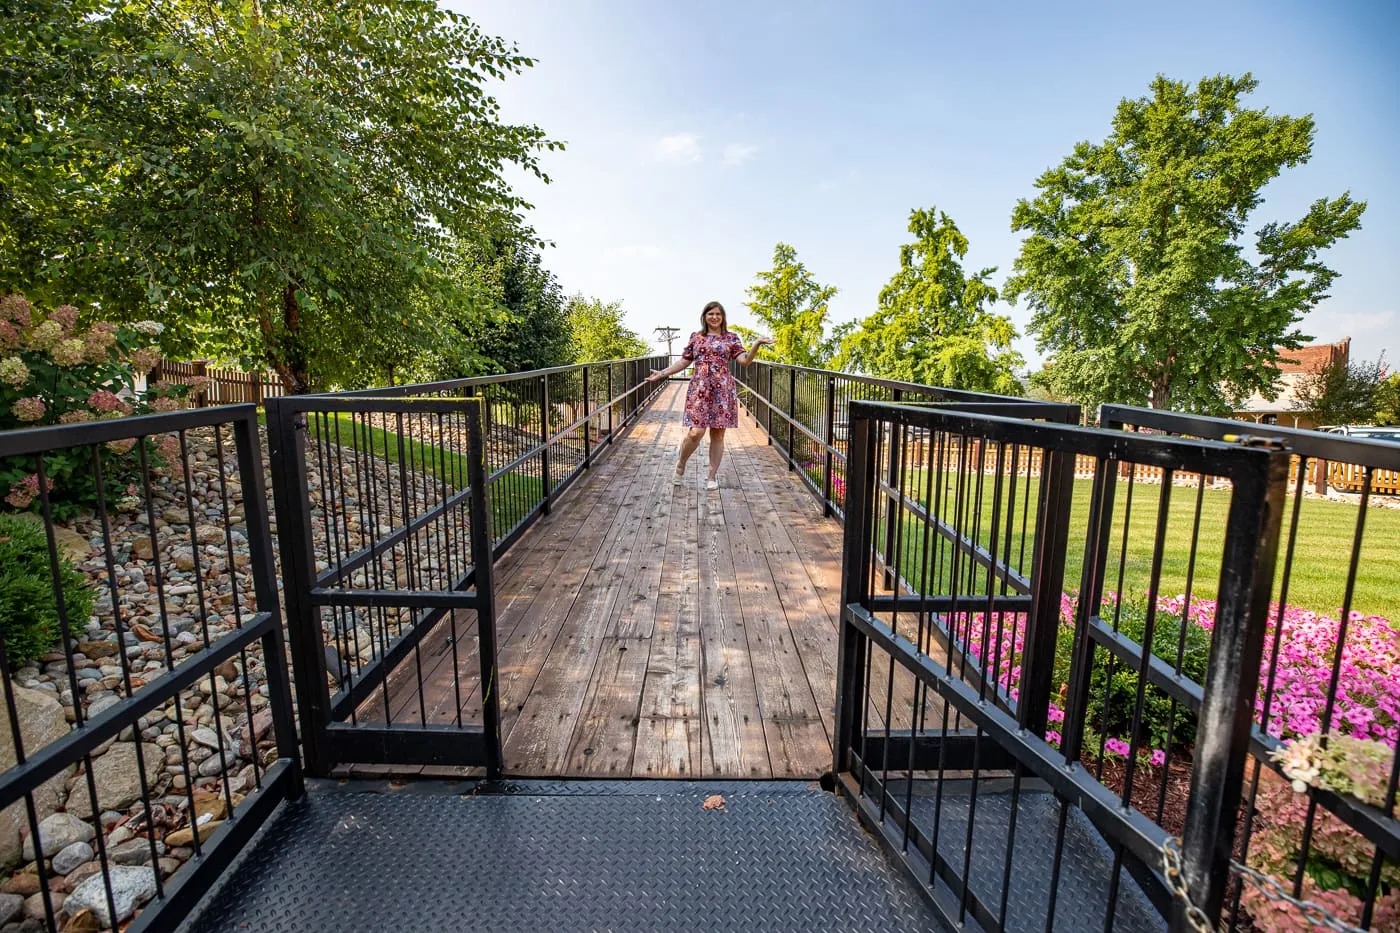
(1118, 693)
(28, 606)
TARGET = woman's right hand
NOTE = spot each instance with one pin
(656, 374)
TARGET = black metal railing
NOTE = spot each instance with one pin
(1328, 673)
(806, 413)
(394, 505)
(543, 428)
(971, 731)
(149, 723)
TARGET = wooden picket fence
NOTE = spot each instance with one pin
(226, 386)
(1343, 477)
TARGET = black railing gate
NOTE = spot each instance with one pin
(988, 596)
(385, 534)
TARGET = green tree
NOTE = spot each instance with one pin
(1388, 400)
(793, 305)
(1137, 266)
(599, 333)
(280, 181)
(1341, 392)
(530, 329)
(933, 325)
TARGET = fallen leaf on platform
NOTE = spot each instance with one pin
(714, 802)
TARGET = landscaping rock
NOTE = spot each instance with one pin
(57, 832)
(41, 721)
(23, 884)
(71, 857)
(10, 906)
(84, 921)
(131, 887)
(117, 777)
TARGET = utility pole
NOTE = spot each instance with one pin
(667, 334)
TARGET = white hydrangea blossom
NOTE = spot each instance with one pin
(149, 328)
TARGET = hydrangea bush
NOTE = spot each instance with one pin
(55, 371)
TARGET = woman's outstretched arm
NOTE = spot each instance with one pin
(671, 370)
(748, 356)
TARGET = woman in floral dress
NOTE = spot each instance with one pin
(712, 404)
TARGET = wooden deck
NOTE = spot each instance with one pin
(652, 630)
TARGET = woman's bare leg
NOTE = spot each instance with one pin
(716, 450)
(689, 445)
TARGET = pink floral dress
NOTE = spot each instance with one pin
(713, 398)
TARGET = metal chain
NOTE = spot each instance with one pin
(1314, 913)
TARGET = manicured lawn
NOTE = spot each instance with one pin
(512, 494)
(1322, 550)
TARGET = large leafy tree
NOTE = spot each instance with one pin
(1138, 265)
(934, 325)
(599, 332)
(793, 306)
(280, 181)
(530, 329)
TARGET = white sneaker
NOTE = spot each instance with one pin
(677, 479)
(711, 484)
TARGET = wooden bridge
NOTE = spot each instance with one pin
(646, 629)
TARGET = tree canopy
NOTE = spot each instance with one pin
(289, 183)
(933, 325)
(1342, 392)
(790, 302)
(598, 332)
(1137, 264)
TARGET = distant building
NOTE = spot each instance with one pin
(1293, 367)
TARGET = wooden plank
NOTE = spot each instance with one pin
(670, 730)
(810, 623)
(798, 743)
(606, 735)
(542, 731)
(733, 743)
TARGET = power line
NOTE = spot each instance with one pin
(667, 334)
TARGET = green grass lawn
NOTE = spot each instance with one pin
(512, 494)
(1322, 549)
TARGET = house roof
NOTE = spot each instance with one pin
(1293, 367)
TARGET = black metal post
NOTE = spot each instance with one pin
(286, 444)
(587, 422)
(892, 504)
(544, 440)
(1232, 681)
(484, 583)
(1047, 587)
(792, 419)
(264, 570)
(855, 574)
(768, 406)
(611, 396)
(830, 443)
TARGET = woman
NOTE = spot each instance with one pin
(713, 400)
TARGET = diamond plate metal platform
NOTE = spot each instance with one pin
(1081, 896)
(562, 856)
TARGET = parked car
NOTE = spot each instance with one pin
(1366, 432)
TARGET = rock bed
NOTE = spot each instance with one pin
(198, 753)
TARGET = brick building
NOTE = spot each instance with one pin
(1293, 367)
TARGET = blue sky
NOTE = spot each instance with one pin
(699, 135)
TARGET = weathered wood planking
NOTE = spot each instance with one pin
(653, 630)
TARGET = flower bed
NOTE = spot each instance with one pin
(1293, 701)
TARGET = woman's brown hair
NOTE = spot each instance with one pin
(724, 318)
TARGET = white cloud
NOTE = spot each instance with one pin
(679, 148)
(738, 153)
